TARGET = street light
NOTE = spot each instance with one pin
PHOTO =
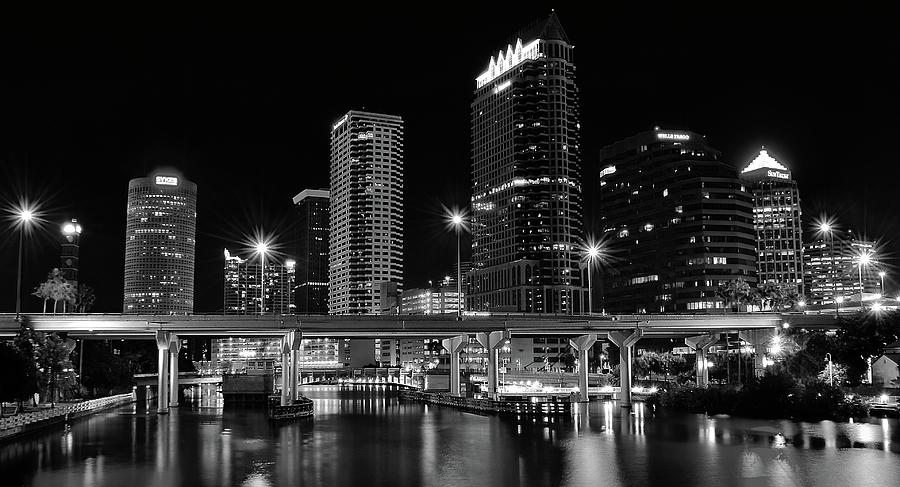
(826, 226)
(262, 248)
(881, 275)
(24, 218)
(458, 222)
(830, 370)
(863, 259)
(592, 252)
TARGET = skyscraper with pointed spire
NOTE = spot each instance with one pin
(776, 220)
(527, 227)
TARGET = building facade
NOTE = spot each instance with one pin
(313, 214)
(678, 221)
(366, 212)
(831, 271)
(527, 228)
(427, 301)
(243, 293)
(160, 235)
(776, 220)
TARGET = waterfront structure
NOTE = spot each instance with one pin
(313, 214)
(526, 177)
(776, 220)
(243, 293)
(426, 301)
(831, 271)
(678, 223)
(366, 211)
(160, 235)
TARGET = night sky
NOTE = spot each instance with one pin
(242, 103)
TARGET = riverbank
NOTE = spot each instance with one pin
(771, 397)
(25, 423)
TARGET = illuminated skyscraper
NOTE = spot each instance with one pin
(527, 225)
(160, 233)
(312, 250)
(776, 219)
(366, 245)
(243, 293)
(679, 223)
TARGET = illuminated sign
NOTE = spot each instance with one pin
(339, 123)
(779, 175)
(167, 180)
(502, 86)
(671, 136)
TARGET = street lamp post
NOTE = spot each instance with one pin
(25, 217)
(261, 249)
(881, 275)
(828, 228)
(457, 221)
(864, 259)
(830, 370)
(593, 251)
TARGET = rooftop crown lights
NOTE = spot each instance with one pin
(765, 161)
(514, 56)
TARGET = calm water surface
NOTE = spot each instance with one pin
(368, 437)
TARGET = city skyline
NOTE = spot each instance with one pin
(230, 212)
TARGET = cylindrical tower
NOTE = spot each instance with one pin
(160, 235)
(68, 250)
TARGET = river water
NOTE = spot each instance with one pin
(368, 437)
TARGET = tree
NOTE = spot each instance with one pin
(734, 293)
(57, 288)
(47, 355)
(14, 381)
(775, 296)
(84, 298)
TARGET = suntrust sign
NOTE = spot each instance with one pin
(167, 180)
(778, 174)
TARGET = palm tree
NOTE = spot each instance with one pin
(736, 292)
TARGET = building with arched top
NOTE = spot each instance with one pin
(160, 235)
(776, 221)
(527, 226)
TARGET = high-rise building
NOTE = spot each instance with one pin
(243, 293)
(678, 221)
(312, 251)
(831, 269)
(776, 219)
(366, 245)
(527, 228)
(160, 233)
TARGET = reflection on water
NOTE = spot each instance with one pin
(365, 436)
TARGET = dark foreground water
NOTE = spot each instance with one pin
(368, 437)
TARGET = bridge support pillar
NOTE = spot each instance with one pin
(625, 341)
(163, 340)
(454, 346)
(700, 344)
(290, 387)
(492, 342)
(760, 340)
(582, 344)
(174, 348)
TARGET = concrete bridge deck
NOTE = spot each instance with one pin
(399, 326)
